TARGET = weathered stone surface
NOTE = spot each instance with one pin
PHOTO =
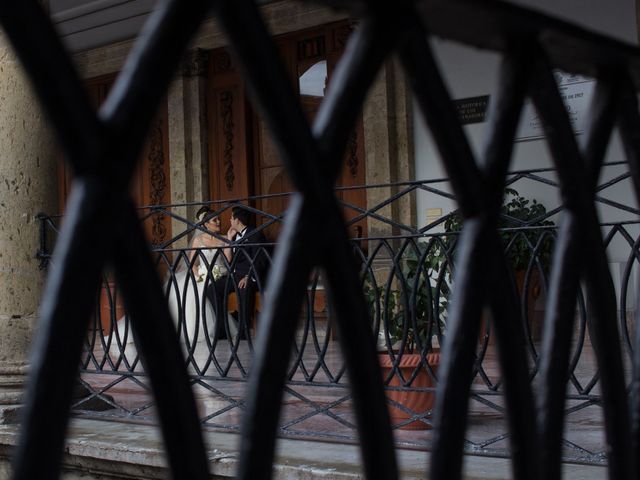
(388, 146)
(187, 147)
(105, 450)
(28, 185)
(15, 338)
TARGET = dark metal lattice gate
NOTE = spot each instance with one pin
(102, 227)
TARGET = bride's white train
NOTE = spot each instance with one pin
(185, 290)
(191, 310)
(189, 306)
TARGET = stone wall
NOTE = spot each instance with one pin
(28, 185)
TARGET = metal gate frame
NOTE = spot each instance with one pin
(102, 227)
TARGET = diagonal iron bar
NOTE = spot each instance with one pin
(629, 121)
(90, 213)
(102, 151)
(585, 241)
(314, 181)
(478, 235)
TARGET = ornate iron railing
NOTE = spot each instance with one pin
(407, 279)
(102, 149)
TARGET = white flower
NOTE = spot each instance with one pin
(202, 273)
(217, 271)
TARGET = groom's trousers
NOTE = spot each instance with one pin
(218, 293)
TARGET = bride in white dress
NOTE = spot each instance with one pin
(206, 261)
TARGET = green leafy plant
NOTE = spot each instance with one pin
(521, 224)
(412, 305)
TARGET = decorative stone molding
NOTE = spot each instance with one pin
(226, 114)
(195, 63)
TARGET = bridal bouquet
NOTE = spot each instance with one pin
(202, 273)
(217, 271)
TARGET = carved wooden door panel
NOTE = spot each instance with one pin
(151, 182)
(229, 132)
(243, 159)
(150, 186)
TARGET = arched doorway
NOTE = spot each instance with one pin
(243, 159)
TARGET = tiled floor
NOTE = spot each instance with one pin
(322, 408)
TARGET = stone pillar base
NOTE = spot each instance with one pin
(15, 339)
(29, 185)
(13, 379)
(12, 382)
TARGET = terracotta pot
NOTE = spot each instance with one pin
(418, 402)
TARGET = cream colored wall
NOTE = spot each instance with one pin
(471, 72)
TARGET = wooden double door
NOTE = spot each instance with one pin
(150, 186)
(243, 159)
(151, 183)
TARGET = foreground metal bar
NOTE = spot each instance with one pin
(578, 190)
(156, 339)
(65, 319)
(629, 122)
(510, 335)
(467, 300)
(102, 149)
(319, 203)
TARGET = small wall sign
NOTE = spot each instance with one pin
(576, 92)
(472, 109)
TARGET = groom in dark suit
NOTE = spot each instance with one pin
(248, 267)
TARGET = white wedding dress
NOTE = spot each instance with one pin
(188, 304)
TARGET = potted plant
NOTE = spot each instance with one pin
(408, 325)
(528, 241)
(409, 309)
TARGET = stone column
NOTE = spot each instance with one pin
(188, 154)
(388, 123)
(28, 185)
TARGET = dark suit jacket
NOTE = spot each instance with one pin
(251, 260)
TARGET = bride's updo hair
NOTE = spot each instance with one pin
(204, 214)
